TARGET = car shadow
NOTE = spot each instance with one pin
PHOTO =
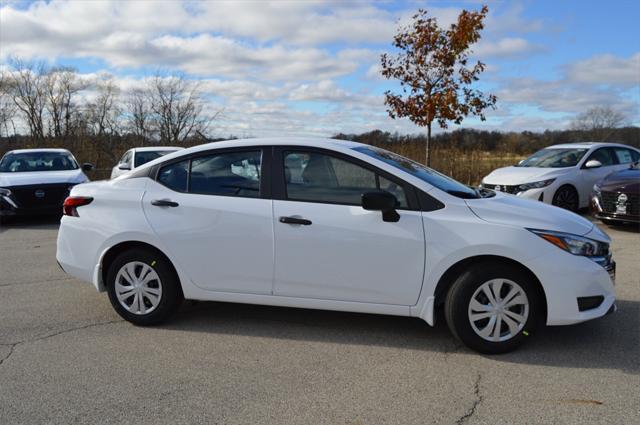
(612, 342)
(30, 222)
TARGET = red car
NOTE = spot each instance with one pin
(616, 198)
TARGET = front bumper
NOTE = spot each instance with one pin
(569, 278)
(598, 212)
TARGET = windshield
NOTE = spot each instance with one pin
(147, 156)
(418, 170)
(554, 158)
(37, 161)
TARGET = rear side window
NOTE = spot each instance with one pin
(227, 174)
(626, 156)
(175, 176)
(316, 177)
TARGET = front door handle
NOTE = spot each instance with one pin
(164, 203)
(295, 220)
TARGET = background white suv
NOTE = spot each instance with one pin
(136, 157)
(562, 175)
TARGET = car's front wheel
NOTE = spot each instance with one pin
(566, 197)
(143, 288)
(493, 307)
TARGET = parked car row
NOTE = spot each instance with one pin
(37, 181)
(572, 176)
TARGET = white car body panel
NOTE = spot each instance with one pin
(223, 232)
(235, 250)
(348, 254)
(582, 179)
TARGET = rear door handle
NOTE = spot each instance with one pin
(295, 220)
(164, 203)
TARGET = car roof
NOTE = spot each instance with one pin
(586, 145)
(39, 150)
(157, 148)
(277, 141)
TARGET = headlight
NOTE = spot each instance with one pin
(574, 244)
(596, 190)
(4, 192)
(535, 185)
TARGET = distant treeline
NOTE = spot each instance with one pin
(467, 155)
(513, 143)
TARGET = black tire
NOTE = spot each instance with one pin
(566, 197)
(460, 295)
(171, 296)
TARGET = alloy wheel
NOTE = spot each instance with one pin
(498, 310)
(138, 288)
(566, 198)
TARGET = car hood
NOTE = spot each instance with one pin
(42, 177)
(627, 181)
(519, 175)
(515, 211)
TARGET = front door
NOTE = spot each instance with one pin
(328, 247)
(212, 216)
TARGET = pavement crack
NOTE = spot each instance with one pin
(478, 399)
(13, 345)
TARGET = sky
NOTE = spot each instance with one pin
(312, 67)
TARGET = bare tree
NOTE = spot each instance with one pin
(598, 122)
(178, 108)
(103, 114)
(28, 94)
(139, 114)
(7, 107)
(61, 85)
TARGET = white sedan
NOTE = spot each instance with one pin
(333, 225)
(136, 157)
(562, 175)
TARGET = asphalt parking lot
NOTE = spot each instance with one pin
(66, 357)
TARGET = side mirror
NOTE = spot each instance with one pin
(381, 201)
(593, 163)
(87, 166)
(520, 162)
(124, 166)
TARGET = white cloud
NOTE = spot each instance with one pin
(607, 70)
(506, 48)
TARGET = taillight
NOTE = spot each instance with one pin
(73, 202)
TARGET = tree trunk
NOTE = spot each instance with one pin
(427, 156)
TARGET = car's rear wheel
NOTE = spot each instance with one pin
(143, 288)
(566, 197)
(493, 307)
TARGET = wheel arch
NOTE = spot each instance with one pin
(112, 253)
(448, 278)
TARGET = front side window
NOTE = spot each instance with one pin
(126, 158)
(604, 155)
(317, 177)
(434, 178)
(554, 158)
(175, 176)
(227, 174)
(37, 161)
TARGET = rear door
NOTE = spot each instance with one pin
(327, 246)
(213, 213)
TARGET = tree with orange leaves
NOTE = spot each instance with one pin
(437, 84)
